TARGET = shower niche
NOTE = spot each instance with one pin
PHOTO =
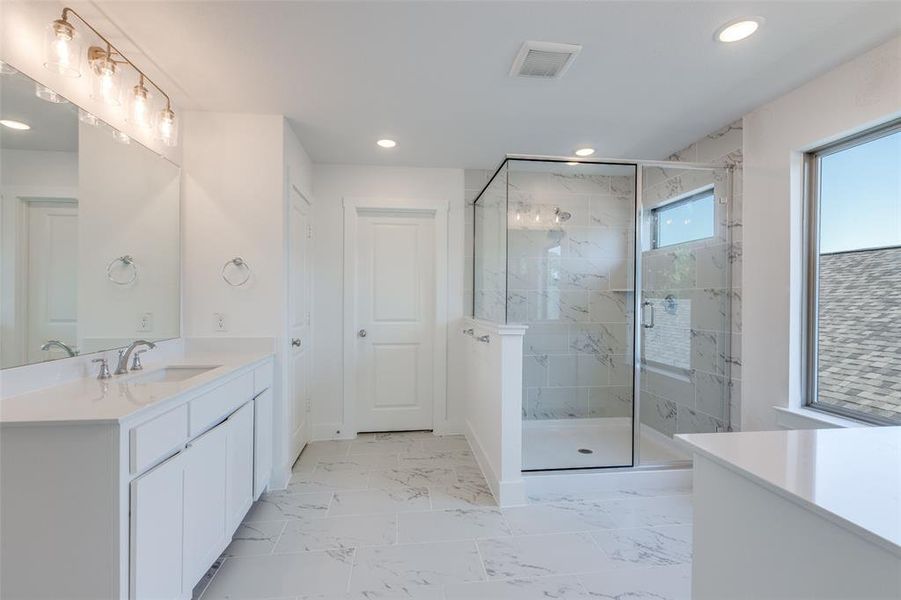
(627, 305)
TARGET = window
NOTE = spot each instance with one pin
(686, 220)
(853, 357)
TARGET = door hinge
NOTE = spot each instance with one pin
(309, 232)
(308, 317)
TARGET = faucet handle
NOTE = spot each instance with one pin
(104, 368)
(136, 360)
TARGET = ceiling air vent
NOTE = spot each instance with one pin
(544, 60)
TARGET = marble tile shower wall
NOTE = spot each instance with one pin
(570, 282)
(692, 362)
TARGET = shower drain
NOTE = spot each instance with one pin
(585, 451)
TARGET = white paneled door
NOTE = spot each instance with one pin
(52, 265)
(395, 320)
(300, 318)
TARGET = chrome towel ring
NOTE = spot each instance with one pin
(127, 261)
(239, 264)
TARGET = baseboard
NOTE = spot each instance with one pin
(449, 427)
(638, 480)
(506, 493)
(482, 459)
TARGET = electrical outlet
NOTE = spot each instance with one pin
(145, 322)
(219, 322)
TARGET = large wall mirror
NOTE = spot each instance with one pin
(89, 231)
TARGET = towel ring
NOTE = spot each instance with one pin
(127, 261)
(239, 263)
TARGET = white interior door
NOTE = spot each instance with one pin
(52, 267)
(300, 319)
(395, 320)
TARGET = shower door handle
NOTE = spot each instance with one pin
(647, 323)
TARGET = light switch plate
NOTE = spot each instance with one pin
(219, 322)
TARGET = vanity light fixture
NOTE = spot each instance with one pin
(17, 125)
(62, 50)
(386, 143)
(584, 151)
(106, 80)
(45, 93)
(738, 29)
(139, 111)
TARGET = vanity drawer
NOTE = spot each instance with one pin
(215, 405)
(157, 438)
(262, 378)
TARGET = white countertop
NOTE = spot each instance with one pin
(850, 476)
(91, 400)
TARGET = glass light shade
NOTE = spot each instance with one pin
(120, 137)
(167, 127)
(45, 93)
(62, 49)
(87, 118)
(140, 112)
(107, 80)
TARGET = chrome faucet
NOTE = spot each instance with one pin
(51, 343)
(124, 355)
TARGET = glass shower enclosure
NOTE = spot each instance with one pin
(620, 270)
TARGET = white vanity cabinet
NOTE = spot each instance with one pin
(164, 490)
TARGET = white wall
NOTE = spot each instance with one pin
(233, 203)
(22, 29)
(855, 96)
(236, 171)
(333, 183)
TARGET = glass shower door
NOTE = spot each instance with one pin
(686, 299)
(570, 278)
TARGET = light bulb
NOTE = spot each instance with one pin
(537, 217)
(139, 107)
(62, 49)
(106, 86)
(167, 127)
(518, 216)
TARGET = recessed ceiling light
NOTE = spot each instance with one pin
(386, 143)
(15, 124)
(738, 29)
(584, 151)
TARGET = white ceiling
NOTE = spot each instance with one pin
(54, 127)
(434, 75)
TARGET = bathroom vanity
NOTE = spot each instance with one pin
(797, 514)
(131, 487)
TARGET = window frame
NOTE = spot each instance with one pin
(811, 270)
(693, 196)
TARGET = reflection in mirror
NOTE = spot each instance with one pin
(89, 232)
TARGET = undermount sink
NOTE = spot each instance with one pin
(172, 374)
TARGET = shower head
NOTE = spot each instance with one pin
(562, 216)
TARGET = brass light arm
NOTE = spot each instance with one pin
(109, 51)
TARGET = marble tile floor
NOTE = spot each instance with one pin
(409, 516)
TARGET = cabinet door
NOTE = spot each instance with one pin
(204, 501)
(262, 441)
(239, 475)
(156, 532)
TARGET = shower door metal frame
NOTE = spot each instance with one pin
(637, 293)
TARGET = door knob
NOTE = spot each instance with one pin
(362, 333)
(295, 342)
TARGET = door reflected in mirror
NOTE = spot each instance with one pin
(89, 232)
